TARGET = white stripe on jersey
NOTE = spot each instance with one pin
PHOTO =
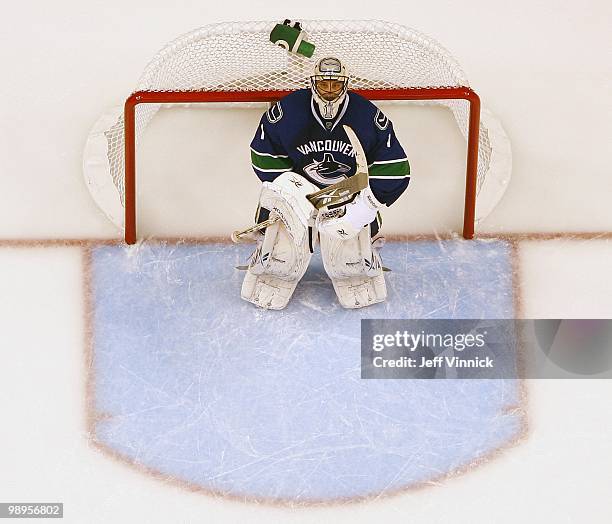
(386, 177)
(268, 154)
(271, 170)
(388, 161)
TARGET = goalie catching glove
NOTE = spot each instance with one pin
(346, 222)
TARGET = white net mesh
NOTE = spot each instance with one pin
(240, 57)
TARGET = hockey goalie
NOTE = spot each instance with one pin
(302, 148)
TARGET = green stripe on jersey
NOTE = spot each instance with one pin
(394, 169)
(270, 162)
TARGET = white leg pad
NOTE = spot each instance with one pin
(276, 267)
(355, 269)
(357, 292)
(267, 291)
(283, 255)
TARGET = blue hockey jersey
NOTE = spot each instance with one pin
(292, 136)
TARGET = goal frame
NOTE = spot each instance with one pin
(400, 94)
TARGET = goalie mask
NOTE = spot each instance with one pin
(329, 84)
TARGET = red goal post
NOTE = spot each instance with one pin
(188, 97)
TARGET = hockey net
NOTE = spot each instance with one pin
(236, 62)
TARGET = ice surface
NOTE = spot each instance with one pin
(208, 389)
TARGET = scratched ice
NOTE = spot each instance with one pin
(203, 387)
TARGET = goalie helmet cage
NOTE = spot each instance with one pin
(236, 62)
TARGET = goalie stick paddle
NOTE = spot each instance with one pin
(330, 195)
(362, 162)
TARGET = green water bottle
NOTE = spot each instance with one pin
(291, 38)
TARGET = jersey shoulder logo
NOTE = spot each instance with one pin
(275, 113)
(381, 120)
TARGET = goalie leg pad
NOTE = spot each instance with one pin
(275, 268)
(355, 269)
(282, 256)
(267, 291)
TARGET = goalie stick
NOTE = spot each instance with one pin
(328, 196)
